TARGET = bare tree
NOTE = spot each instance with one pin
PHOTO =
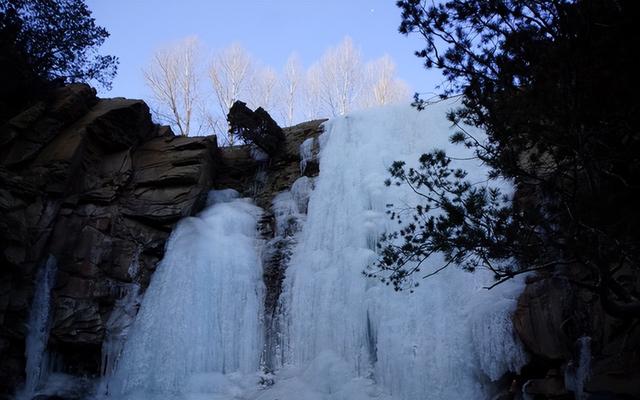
(173, 78)
(335, 85)
(291, 80)
(263, 93)
(229, 72)
(313, 100)
(341, 77)
(339, 83)
(382, 86)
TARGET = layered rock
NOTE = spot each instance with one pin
(95, 183)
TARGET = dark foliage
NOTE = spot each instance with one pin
(554, 85)
(59, 39)
(49, 42)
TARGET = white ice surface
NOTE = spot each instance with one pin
(306, 153)
(450, 338)
(343, 336)
(37, 367)
(201, 312)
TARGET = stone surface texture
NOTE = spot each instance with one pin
(95, 183)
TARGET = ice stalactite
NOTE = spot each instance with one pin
(117, 327)
(121, 318)
(39, 326)
(306, 153)
(578, 371)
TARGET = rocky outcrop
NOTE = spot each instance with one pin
(95, 183)
(262, 179)
(256, 127)
(576, 347)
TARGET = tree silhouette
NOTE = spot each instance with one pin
(45, 43)
(554, 86)
(59, 39)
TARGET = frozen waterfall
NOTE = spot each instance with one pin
(39, 325)
(340, 336)
(200, 317)
(354, 338)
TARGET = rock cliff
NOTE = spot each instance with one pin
(96, 184)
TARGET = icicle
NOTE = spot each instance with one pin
(258, 154)
(300, 192)
(285, 212)
(134, 266)
(577, 375)
(289, 207)
(289, 211)
(117, 327)
(37, 366)
(259, 180)
(306, 153)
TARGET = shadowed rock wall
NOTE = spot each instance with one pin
(96, 184)
(574, 344)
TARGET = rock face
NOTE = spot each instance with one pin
(96, 184)
(262, 179)
(577, 349)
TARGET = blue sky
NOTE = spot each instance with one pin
(269, 30)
